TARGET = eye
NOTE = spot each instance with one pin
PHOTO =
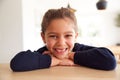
(53, 36)
(68, 35)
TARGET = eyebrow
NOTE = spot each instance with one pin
(51, 33)
(69, 32)
(57, 33)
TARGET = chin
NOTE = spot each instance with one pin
(61, 57)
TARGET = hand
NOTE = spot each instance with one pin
(62, 62)
(71, 55)
(66, 62)
(54, 61)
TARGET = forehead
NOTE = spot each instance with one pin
(61, 25)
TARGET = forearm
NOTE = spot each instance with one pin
(98, 58)
(27, 60)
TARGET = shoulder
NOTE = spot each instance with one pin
(42, 49)
(80, 47)
(77, 46)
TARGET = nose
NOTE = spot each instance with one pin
(61, 41)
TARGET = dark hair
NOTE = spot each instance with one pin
(52, 14)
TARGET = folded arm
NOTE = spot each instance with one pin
(93, 57)
(28, 60)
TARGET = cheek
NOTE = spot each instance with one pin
(71, 43)
(50, 43)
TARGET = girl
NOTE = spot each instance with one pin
(59, 32)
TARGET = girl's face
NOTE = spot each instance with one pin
(60, 37)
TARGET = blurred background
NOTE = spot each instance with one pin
(20, 22)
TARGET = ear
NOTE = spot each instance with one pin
(76, 35)
(43, 37)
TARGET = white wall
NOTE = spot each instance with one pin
(28, 24)
(10, 29)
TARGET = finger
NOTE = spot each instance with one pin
(71, 56)
(46, 52)
(66, 62)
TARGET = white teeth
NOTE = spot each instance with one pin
(60, 50)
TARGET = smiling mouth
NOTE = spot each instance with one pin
(60, 50)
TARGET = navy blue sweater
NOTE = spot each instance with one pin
(89, 56)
